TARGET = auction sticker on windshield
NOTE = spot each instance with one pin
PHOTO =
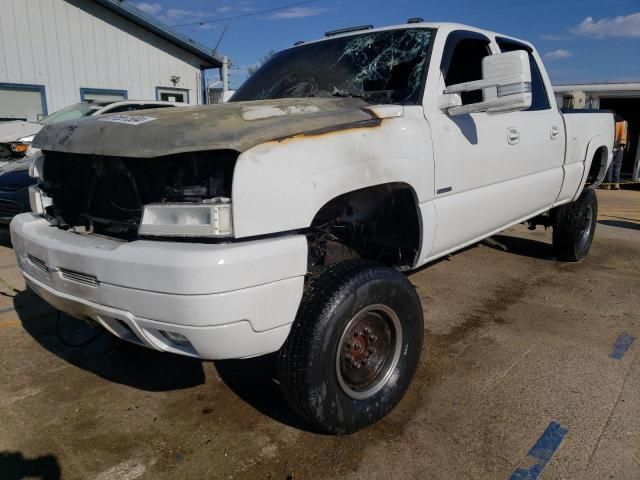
(127, 119)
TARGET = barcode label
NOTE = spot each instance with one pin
(127, 119)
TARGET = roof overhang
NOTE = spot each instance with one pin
(622, 89)
(130, 12)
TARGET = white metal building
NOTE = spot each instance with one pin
(54, 53)
(622, 98)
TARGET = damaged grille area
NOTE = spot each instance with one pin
(106, 195)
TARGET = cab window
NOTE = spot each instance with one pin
(462, 61)
(540, 100)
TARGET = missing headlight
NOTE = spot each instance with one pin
(109, 194)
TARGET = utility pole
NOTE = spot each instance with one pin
(225, 74)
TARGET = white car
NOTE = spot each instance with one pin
(282, 220)
(16, 136)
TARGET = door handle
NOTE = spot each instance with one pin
(555, 132)
(513, 136)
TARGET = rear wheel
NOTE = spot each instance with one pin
(353, 348)
(574, 226)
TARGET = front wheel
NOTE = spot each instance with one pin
(353, 348)
(574, 226)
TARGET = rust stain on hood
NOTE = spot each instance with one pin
(235, 126)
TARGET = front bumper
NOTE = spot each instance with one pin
(231, 300)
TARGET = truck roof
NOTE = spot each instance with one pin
(441, 26)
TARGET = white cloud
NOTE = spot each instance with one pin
(149, 8)
(173, 15)
(621, 26)
(297, 12)
(176, 14)
(557, 54)
(553, 36)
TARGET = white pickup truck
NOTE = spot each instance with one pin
(281, 221)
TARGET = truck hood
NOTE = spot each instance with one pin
(12, 131)
(235, 126)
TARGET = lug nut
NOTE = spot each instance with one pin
(372, 350)
(367, 330)
(357, 365)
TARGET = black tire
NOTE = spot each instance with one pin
(574, 226)
(348, 304)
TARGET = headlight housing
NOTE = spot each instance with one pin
(211, 218)
(22, 144)
(38, 201)
(36, 162)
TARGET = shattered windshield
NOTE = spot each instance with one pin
(380, 67)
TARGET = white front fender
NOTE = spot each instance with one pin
(279, 186)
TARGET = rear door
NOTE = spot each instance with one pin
(545, 132)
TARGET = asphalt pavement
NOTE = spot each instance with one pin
(531, 369)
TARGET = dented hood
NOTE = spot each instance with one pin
(236, 126)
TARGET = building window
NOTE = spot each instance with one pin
(22, 102)
(102, 95)
(170, 94)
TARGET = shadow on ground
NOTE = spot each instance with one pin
(14, 466)
(106, 356)
(5, 236)
(526, 247)
(621, 224)
(253, 380)
(115, 360)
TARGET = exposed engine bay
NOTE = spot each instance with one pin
(106, 195)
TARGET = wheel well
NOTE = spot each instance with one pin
(380, 223)
(598, 167)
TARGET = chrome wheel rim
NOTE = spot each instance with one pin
(368, 351)
(587, 225)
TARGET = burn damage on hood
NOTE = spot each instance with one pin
(231, 126)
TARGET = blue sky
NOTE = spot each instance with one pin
(581, 41)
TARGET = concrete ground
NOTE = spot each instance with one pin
(515, 341)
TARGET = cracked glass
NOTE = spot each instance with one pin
(380, 67)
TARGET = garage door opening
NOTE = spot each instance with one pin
(22, 102)
(102, 95)
(629, 109)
